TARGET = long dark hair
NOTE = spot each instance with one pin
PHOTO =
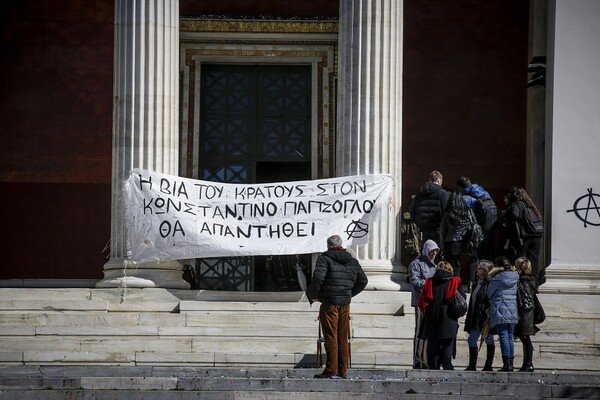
(457, 209)
(520, 194)
(502, 262)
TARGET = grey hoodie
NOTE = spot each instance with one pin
(420, 269)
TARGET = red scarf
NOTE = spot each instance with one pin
(426, 296)
(452, 287)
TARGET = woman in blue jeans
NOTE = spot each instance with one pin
(504, 314)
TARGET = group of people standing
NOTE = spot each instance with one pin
(449, 219)
(461, 222)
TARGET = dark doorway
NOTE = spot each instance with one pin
(255, 127)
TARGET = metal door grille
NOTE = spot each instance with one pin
(252, 118)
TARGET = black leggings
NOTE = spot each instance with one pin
(439, 353)
(452, 253)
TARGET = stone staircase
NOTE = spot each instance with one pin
(151, 382)
(199, 328)
(185, 328)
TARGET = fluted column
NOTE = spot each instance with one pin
(369, 136)
(145, 124)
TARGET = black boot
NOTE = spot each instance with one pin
(489, 359)
(511, 368)
(472, 359)
(528, 368)
(506, 364)
(527, 357)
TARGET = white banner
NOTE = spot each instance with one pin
(174, 218)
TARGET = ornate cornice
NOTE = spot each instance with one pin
(258, 26)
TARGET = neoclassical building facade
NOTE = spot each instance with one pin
(174, 77)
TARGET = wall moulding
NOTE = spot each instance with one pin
(313, 43)
(572, 279)
(258, 26)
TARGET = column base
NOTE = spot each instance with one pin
(385, 275)
(572, 279)
(163, 274)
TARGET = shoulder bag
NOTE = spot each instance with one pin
(524, 300)
(458, 305)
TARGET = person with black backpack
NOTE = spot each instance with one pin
(456, 232)
(525, 229)
(486, 214)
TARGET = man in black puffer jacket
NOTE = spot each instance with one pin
(428, 206)
(337, 278)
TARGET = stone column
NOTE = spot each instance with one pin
(536, 103)
(369, 136)
(572, 190)
(145, 124)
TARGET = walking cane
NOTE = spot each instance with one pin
(349, 343)
(320, 340)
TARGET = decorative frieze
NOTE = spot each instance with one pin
(209, 24)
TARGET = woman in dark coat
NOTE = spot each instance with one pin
(506, 249)
(477, 316)
(526, 328)
(439, 326)
(455, 230)
(522, 243)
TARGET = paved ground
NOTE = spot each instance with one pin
(102, 382)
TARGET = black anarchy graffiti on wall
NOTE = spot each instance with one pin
(357, 229)
(586, 209)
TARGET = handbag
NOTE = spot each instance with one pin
(458, 305)
(474, 236)
(539, 315)
(524, 300)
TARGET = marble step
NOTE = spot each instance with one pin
(284, 297)
(189, 344)
(357, 308)
(73, 299)
(165, 324)
(110, 303)
(271, 383)
(174, 320)
(217, 352)
(149, 326)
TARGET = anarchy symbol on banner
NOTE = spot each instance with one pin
(587, 214)
(357, 229)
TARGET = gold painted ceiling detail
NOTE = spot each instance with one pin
(257, 26)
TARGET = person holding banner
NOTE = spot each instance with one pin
(337, 277)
